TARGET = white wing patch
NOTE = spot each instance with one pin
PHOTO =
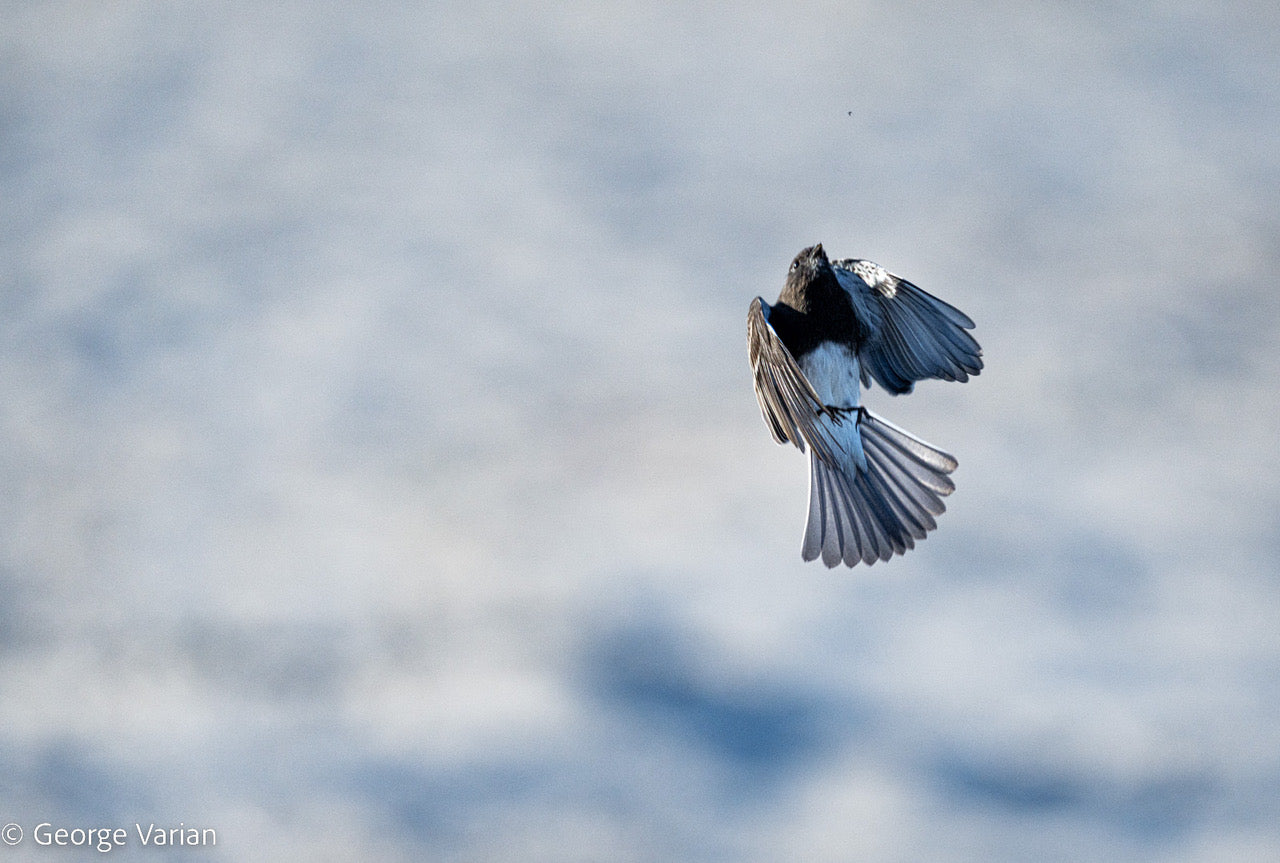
(874, 275)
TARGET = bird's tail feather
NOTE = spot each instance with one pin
(872, 514)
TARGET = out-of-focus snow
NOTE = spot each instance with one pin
(382, 476)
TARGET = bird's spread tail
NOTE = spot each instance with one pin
(872, 513)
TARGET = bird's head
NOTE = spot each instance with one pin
(808, 263)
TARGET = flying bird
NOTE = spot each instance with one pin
(874, 488)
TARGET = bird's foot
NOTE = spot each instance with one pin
(842, 414)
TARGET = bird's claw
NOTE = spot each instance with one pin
(841, 414)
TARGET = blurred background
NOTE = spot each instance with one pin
(382, 477)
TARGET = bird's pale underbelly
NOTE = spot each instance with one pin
(832, 370)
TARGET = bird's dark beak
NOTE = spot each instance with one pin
(817, 250)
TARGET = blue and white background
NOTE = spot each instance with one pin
(381, 479)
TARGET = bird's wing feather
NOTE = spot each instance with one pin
(913, 334)
(788, 402)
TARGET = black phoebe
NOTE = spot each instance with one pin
(873, 488)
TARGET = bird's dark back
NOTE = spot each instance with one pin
(817, 310)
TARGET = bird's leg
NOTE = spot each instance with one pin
(841, 414)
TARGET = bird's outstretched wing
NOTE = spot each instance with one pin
(914, 335)
(791, 408)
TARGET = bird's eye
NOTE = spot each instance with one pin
(795, 265)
